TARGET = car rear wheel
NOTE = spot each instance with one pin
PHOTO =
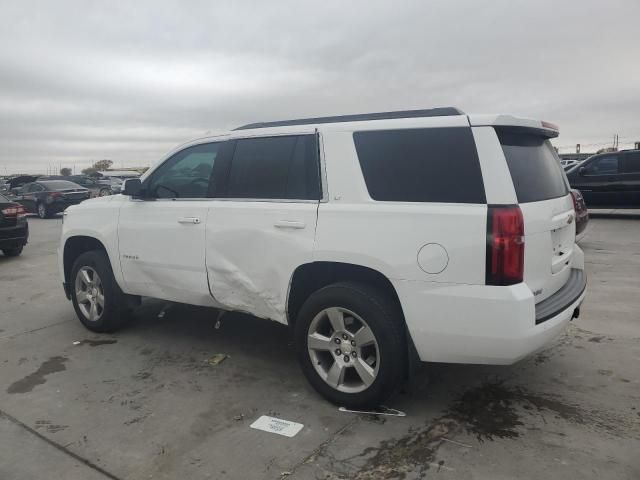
(104, 192)
(43, 211)
(351, 345)
(97, 299)
(12, 252)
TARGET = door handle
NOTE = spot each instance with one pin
(289, 224)
(190, 220)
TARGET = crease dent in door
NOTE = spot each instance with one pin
(236, 291)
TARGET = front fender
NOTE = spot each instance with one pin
(97, 219)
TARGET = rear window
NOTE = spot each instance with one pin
(534, 166)
(421, 165)
(59, 185)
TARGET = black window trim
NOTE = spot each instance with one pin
(222, 196)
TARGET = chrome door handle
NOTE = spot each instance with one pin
(289, 224)
(191, 220)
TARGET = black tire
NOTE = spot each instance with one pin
(43, 211)
(385, 320)
(116, 311)
(104, 192)
(12, 252)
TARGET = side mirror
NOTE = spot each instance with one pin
(582, 171)
(132, 187)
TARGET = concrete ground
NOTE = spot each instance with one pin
(146, 403)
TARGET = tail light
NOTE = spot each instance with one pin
(55, 194)
(574, 197)
(505, 245)
(14, 211)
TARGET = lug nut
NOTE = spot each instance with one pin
(354, 354)
(353, 342)
(344, 336)
(346, 358)
(338, 351)
(337, 341)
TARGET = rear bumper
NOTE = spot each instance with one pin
(13, 237)
(482, 324)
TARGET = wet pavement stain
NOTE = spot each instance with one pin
(97, 343)
(28, 383)
(492, 410)
(488, 412)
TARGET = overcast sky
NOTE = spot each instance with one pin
(128, 81)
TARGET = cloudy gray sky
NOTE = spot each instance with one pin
(127, 81)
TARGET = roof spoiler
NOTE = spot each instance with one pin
(516, 124)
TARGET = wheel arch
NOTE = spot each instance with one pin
(75, 246)
(310, 277)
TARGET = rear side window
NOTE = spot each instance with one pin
(630, 162)
(421, 165)
(534, 166)
(284, 167)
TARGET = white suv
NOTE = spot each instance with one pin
(379, 238)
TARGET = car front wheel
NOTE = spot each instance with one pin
(97, 299)
(351, 345)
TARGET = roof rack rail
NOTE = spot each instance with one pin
(432, 112)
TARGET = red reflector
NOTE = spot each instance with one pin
(505, 245)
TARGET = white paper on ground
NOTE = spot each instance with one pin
(277, 425)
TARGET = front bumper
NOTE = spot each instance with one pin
(457, 323)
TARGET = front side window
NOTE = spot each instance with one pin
(603, 166)
(185, 175)
(284, 167)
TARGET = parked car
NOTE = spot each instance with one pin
(19, 181)
(609, 180)
(96, 186)
(582, 213)
(14, 229)
(379, 238)
(114, 183)
(48, 197)
(568, 164)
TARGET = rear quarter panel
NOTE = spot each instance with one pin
(387, 236)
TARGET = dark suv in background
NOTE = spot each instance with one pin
(610, 180)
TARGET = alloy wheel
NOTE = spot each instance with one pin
(89, 293)
(343, 350)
